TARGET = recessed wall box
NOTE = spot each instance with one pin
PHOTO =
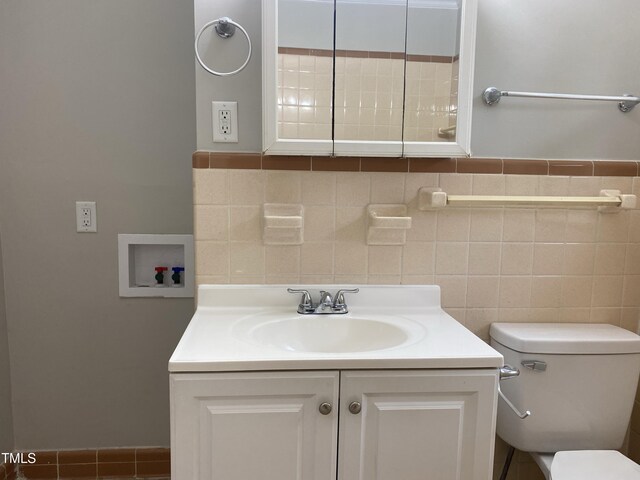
(140, 254)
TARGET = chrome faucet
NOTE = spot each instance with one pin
(327, 303)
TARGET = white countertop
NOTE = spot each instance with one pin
(216, 339)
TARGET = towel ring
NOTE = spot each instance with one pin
(225, 28)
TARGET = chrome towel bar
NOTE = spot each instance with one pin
(626, 103)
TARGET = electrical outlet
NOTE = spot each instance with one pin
(225, 121)
(86, 219)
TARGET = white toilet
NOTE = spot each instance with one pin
(579, 382)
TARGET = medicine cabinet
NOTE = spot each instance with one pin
(368, 78)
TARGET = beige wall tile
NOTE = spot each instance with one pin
(350, 224)
(453, 225)
(210, 186)
(514, 314)
(353, 189)
(634, 226)
(517, 259)
(631, 291)
(519, 225)
(607, 291)
(482, 291)
(384, 279)
(246, 258)
(575, 315)
(630, 319)
(452, 258)
(521, 185)
(579, 259)
(606, 315)
(632, 262)
(548, 258)
(385, 260)
(247, 279)
(581, 226)
(613, 228)
(624, 184)
(544, 315)
(245, 224)
(211, 222)
(317, 258)
(282, 259)
(283, 187)
(584, 186)
(247, 187)
(515, 292)
(316, 279)
(488, 184)
(212, 258)
(417, 280)
(418, 258)
(610, 259)
(319, 188)
(319, 223)
(486, 225)
(351, 258)
(387, 187)
(553, 185)
(545, 291)
(423, 226)
(457, 313)
(484, 258)
(211, 279)
(550, 225)
(576, 291)
(479, 320)
(290, 279)
(456, 183)
(351, 279)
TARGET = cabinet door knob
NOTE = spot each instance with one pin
(325, 408)
(355, 407)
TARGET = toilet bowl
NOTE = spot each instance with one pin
(587, 464)
(579, 382)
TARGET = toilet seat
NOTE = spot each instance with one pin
(593, 464)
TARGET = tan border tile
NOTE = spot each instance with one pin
(571, 168)
(433, 165)
(615, 169)
(479, 165)
(200, 160)
(235, 160)
(335, 164)
(525, 167)
(384, 164)
(283, 162)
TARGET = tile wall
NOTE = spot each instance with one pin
(369, 97)
(493, 264)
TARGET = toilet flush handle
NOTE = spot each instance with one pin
(506, 373)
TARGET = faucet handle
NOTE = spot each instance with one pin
(305, 300)
(339, 298)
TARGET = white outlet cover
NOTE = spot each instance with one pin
(86, 217)
(219, 136)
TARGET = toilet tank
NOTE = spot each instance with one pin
(580, 392)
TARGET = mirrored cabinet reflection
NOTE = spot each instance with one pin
(368, 77)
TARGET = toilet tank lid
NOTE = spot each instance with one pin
(565, 338)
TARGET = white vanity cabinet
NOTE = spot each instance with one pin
(382, 424)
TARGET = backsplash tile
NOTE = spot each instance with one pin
(493, 264)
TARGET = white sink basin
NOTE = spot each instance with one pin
(256, 328)
(328, 333)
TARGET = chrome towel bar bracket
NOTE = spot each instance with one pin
(492, 95)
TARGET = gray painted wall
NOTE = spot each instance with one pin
(97, 104)
(6, 421)
(574, 46)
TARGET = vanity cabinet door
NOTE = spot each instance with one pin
(266, 425)
(416, 425)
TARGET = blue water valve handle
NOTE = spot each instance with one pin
(176, 275)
